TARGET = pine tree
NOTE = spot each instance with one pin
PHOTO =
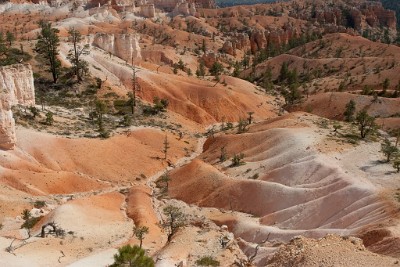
(175, 220)
(132, 257)
(201, 70)
(366, 123)
(47, 46)
(140, 232)
(388, 149)
(10, 38)
(79, 66)
(350, 110)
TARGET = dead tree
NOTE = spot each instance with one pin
(135, 88)
(57, 231)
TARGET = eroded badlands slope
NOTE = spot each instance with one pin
(292, 183)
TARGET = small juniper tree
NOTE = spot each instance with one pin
(29, 221)
(366, 123)
(34, 111)
(140, 232)
(101, 109)
(49, 118)
(242, 125)
(201, 70)
(163, 182)
(388, 149)
(175, 220)
(385, 85)
(396, 161)
(237, 160)
(10, 38)
(336, 127)
(216, 69)
(292, 94)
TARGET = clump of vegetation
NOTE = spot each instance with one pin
(132, 256)
(47, 46)
(8, 54)
(223, 156)
(388, 149)
(350, 110)
(207, 261)
(79, 66)
(140, 232)
(366, 123)
(159, 105)
(163, 182)
(174, 221)
(336, 127)
(242, 125)
(396, 161)
(29, 221)
(49, 118)
(39, 204)
(35, 112)
(237, 160)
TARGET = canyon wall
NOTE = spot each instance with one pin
(16, 88)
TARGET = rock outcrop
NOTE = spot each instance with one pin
(125, 46)
(358, 15)
(238, 41)
(184, 8)
(147, 11)
(170, 5)
(259, 39)
(209, 58)
(376, 15)
(16, 87)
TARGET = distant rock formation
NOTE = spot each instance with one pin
(125, 46)
(376, 15)
(147, 10)
(184, 8)
(259, 39)
(16, 87)
(170, 5)
(209, 58)
(354, 14)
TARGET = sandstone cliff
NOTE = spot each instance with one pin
(16, 87)
(125, 46)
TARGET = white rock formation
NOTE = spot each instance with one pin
(125, 46)
(16, 87)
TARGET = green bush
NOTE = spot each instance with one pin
(39, 204)
(132, 256)
(207, 261)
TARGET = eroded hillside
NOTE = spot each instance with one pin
(234, 120)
